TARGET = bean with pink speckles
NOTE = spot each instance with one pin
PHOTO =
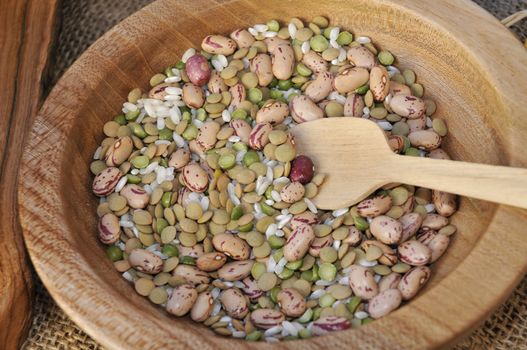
(414, 253)
(299, 242)
(413, 281)
(291, 302)
(105, 182)
(182, 299)
(198, 70)
(362, 282)
(109, 229)
(384, 303)
(386, 229)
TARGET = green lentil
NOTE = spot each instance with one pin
(413, 152)
(326, 300)
(409, 76)
(114, 253)
(344, 38)
(227, 161)
(417, 90)
(439, 127)
(327, 271)
(334, 109)
(170, 250)
(140, 162)
(386, 58)
(273, 25)
(258, 270)
(318, 43)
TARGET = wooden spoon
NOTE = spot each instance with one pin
(355, 156)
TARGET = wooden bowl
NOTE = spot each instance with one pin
(471, 65)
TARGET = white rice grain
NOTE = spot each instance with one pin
(260, 27)
(270, 34)
(276, 196)
(385, 125)
(430, 208)
(226, 116)
(311, 206)
(188, 54)
(292, 30)
(217, 65)
(363, 40)
(121, 184)
(305, 47)
(289, 329)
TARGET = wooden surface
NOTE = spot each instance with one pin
(26, 28)
(357, 161)
(455, 57)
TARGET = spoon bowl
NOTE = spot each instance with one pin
(357, 160)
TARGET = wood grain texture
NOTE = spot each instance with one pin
(358, 160)
(26, 35)
(475, 69)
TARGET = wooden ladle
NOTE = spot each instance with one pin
(355, 156)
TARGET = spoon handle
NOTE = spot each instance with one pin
(492, 183)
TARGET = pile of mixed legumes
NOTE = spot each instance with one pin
(206, 207)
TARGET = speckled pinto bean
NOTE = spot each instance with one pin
(232, 246)
(360, 56)
(218, 45)
(104, 183)
(413, 281)
(320, 87)
(305, 218)
(390, 281)
(198, 70)
(438, 153)
(191, 274)
(414, 253)
(350, 79)
(396, 143)
(327, 324)
(234, 303)
(267, 318)
(238, 94)
(193, 95)
(119, 151)
(292, 192)
(261, 65)
(425, 139)
(216, 83)
(202, 307)
(444, 202)
(319, 243)
(273, 43)
(379, 83)
(411, 223)
(354, 106)
(251, 289)
(384, 303)
(386, 229)
(211, 261)
(291, 302)
(315, 62)
(362, 282)
(434, 222)
(145, 261)
(417, 124)
(399, 89)
(195, 178)
(374, 206)
(259, 136)
(236, 270)
(407, 106)
(242, 129)
(179, 158)
(136, 196)
(437, 242)
(158, 92)
(273, 112)
(181, 300)
(283, 62)
(299, 242)
(109, 229)
(207, 135)
(354, 236)
(242, 37)
(304, 110)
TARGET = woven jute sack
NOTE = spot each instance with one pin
(83, 21)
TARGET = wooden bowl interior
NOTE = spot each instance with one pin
(144, 45)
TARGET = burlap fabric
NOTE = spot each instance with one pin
(83, 21)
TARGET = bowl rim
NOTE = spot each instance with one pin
(444, 331)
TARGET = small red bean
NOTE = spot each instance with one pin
(302, 170)
(198, 69)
